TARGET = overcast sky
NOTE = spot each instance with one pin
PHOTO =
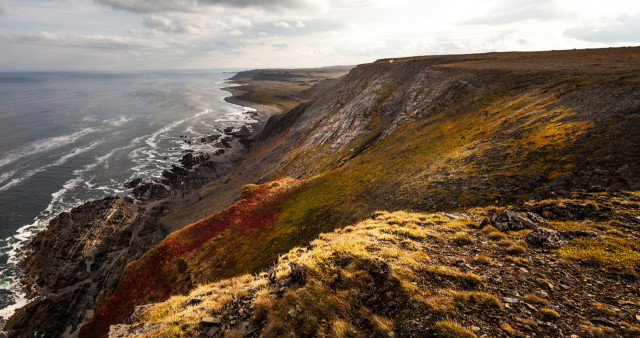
(171, 34)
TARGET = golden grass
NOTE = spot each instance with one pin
(533, 299)
(603, 309)
(549, 313)
(496, 235)
(483, 259)
(482, 299)
(596, 331)
(516, 249)
(508, 329)
(462, 238)
(613, 254)
(450, 329)
(455, 274)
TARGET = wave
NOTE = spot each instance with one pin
(58, 162)
(6, 176)
(43, 145)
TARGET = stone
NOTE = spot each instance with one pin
(212, 331)
(571, 234)
(514, 221)
(209, 321)
(137, 313)
(546, 238)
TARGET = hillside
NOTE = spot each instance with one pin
(476, 133)
(445, 274)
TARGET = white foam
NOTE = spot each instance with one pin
(6, 175)
(60, 161)
(44, 145)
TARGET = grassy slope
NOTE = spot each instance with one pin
(203, 251)
(416, 273)
(522, 132)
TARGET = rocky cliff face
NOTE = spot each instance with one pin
(578, 107)
(80, 255)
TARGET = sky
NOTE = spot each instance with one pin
(193, 34)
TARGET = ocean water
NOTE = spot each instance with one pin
(66, 138)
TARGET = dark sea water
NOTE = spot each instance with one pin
(66, 138)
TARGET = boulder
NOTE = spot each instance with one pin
(514, 220)
(553, 239)
(546, 238)
(133, 183)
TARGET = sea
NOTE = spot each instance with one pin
(69, 137)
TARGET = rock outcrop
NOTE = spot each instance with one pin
(77, 262)
(514, 221)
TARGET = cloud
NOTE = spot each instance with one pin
(625, 28)
(280, 45)
(87, 41)
(282, 24)
(167, 25)
(236, 21)
(517, 11)
(284, 28)
(155, 6)
(2, 10)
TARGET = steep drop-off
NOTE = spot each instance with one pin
(423, 134)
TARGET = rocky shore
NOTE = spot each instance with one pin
(77, 261)
(75, 264)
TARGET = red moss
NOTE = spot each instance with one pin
(154, 277)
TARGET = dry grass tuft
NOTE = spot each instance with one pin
(549, 313)
(450, 329)
(516, 249)
(533, 299)
(483, 259)
(497, 235)
(596, 331)
(455, 274)
(462, 238)
(384, 326)
(603, 309)
(508, 329)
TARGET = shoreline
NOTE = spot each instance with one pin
(147, 196)
(76, 267)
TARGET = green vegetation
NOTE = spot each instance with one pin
(610, 253)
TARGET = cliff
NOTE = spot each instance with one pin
(424, 134)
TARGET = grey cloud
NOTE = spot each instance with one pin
(298, 28)
(2, 10)
(154, 6)
(516, 11)
(280, 45)
(87, 41)
(625, 29)
(167, 25)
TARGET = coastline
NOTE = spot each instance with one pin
(145, 203)
(80, 277)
